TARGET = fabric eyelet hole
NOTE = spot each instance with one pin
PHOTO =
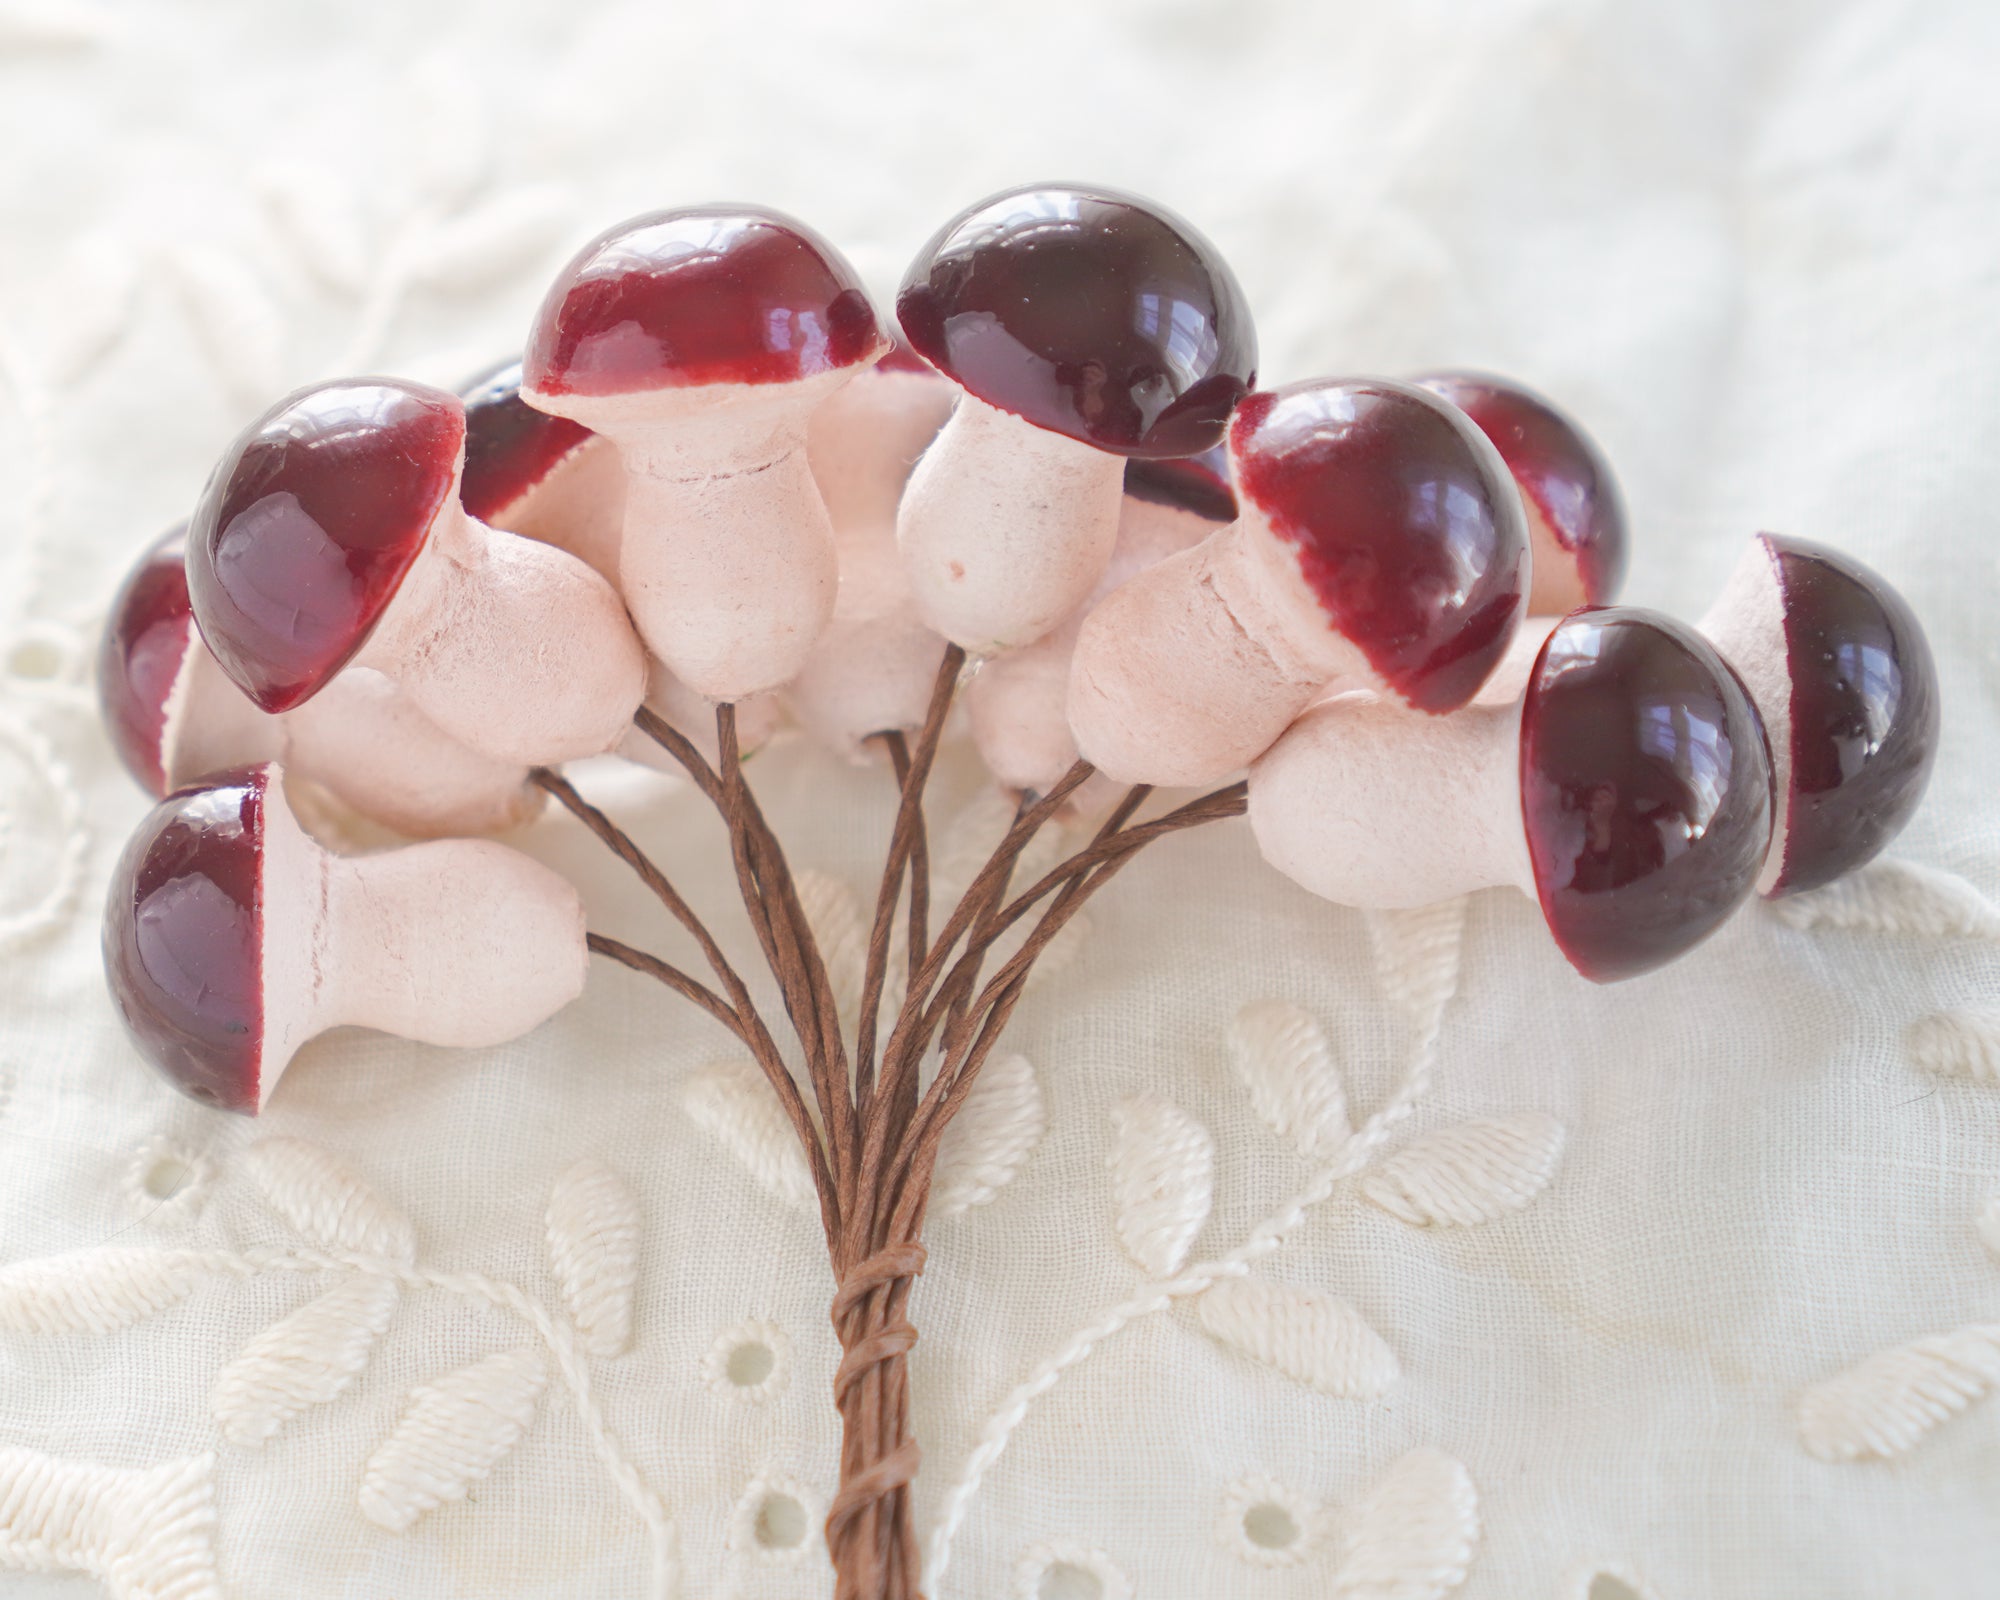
(165, 1176)
(750, 1364)
(1064, 1581)
(166, 1183)
(36, 660)
(1270, 1526)
(1609, 1586)
(780, 1524)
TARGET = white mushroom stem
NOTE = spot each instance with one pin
(757, 719)
(458, 942)
(1018, 703)
(579, 507)
(1367, 803)
(359, 738)
(515, 648)
(1005, 527)
(727, 557)
(1747, 626)
(1190, 670)
(873, 668)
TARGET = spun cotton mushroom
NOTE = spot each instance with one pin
(1843, 677)
(1576, 514)
(699, 341)
(175, 718)
(544, 477)
(873, 668)
(1085, 326)
(1018, 703)
(332, 532)
(1628, 790)
(1381, 543)
(230, 938)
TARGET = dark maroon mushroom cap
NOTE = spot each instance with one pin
(1199, 484)
(1645, 788)
(1558, 467)
(1406, 529)
(1864, 712)
(309, 524)
(184, 938)
(146, 638)
(1087, 312)
(510, 447)
(700, 295)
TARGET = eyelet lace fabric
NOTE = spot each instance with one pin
(1283, 1251)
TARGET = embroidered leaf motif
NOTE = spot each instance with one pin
(144, 1533)
(95, 1291)
(507, 235)
(1413, 1535)
(1002, 1121)
(594, 1245)
(1958, 1044)
(1470, 1172)
(302, 1360)
(1283, 1058)
(1162, 1181)
(324, 1199)
(1311, 1338)
(1884, 1405)
(238, 328)
(453, 1434)
(1416, 955)
(834, 915)
(731, 1102)
(1895, 897)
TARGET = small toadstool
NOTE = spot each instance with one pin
(699, 341)
(1628, 790)
(1380, 543)
(230, 938)
(1085, 326)
(1842, 674)
(332, 533)
(1576, 514)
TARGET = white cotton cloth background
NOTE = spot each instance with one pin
(1757, 247)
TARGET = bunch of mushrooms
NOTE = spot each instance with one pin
(716, 479)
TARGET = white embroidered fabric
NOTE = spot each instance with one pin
(1288, 1253)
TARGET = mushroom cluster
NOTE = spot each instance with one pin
(715, 478)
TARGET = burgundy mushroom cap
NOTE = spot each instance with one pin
(146, 639)
(1645, 789)
(309, 524)
(700, 295)
(1087, 312)
(1199, 484)
(510, 447)
(1581, 546)
(1407, 532)
(184, 945)
(1853, 707)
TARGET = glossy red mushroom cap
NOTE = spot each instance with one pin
(510, 447)
(1407, 531)
(700, 295)
(1199, 484)
(1087, 312)
(145, 643)
(1564, 475)
(184, 938)
(1645, 789)
(308, 525)
(1864, 712)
